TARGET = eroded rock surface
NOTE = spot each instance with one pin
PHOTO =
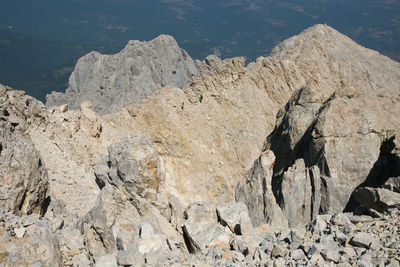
(23, 178)
(27, 241)
(340, 118)
(256, 192)
(154, 183)
(111, 82)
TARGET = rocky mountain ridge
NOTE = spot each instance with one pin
(295, 138)
(111, 82)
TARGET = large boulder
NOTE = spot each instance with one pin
(133, 164)
(114, 81)
(235, 216)
(201, 227)
(379, 199)
(23, 179)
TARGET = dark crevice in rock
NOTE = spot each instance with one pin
(387, 165)
(46, 204)
(21, 204)
(188, 244)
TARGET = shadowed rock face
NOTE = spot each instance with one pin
(111, 82)
(338, 126)
(336, 123)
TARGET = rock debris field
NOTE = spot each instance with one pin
(151, 158)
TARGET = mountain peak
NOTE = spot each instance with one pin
(111, 82)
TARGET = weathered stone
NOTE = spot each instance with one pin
(201, 227)
(297, 254)
(134, 165)
(279, 262)
(260, 255)
(111, 82)
(331, 255)
(23, 177)
(256, 192)
(235, 216)
(362, 240)
(297, 193)
(279, 251)
(316, 258)
(340, 219)
(19, 232)
(318, 225)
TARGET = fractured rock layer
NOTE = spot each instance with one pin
(153, 184)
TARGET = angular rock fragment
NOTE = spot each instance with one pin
(201, 226)
(362, 240)
(133, 165)
(235, 216)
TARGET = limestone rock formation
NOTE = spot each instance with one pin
(23, 178)
(27, 241)
(154, 184)
(300, 193)
(341, 118)
(133, 164)
(111, 82)
(256, 192)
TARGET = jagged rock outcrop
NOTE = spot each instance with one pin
(341, 118)
(111, 82)
(169, 168)
(300, 193)
(23, 179)
(256, 192)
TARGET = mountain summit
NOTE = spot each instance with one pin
(114, 81)
(292, 159)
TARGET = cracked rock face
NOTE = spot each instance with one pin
(111, 82)
(169, 168)
(23, 178)
(338, 128)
